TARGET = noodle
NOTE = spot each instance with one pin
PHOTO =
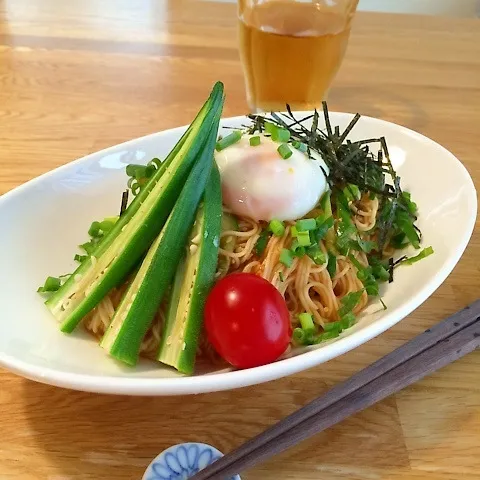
(365, 211)
(98, 320)
(305, 286)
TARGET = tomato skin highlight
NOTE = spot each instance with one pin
(247, 320)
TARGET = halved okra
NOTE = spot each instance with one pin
(135, 231)
(193, 280)
(142, 299)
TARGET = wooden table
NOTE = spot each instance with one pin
(76, 77)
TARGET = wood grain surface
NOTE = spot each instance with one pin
(76, 77)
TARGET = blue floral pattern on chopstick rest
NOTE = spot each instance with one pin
(182, 461)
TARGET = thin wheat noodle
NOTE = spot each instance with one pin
(306, 287)
(365, 211)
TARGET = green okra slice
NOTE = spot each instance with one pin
(142, 299)
(135, 231)
(193, 280)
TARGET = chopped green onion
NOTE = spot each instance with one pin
(328, 336)
(230, 139)
(80, 258)
(345, 232)
(297, 249)
(326, 203)
(262, 241)
(361, 269)
(412, 206)
(365, 245)
(277, 227)
(281, 135)
(134, 186)
(304, 337)
(284, 151)
(369, 281)
(398, 241)
(131, 169)
(135, 171)
(332, 264)
(107, 224)
(346, 216)
(94, 230)
(142, 173)
(349, 302)
(155, 162)
(305, 224)
(286, 257)
(150, 170)
(300, 146)
(379, 269)
(405, 223)
(347, 320)
(365, 275)
(328, 327)
(304, 239)
(352, 192)
(89, 247)
(255, 141)
(321, 219)
(52, 284)
(294, 231)
(270, 127)
(323, 228)
(306, 321)
(299, 336)
(316, 254)
(380, 273)
(423, 254)
(372, 289)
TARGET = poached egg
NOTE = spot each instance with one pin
(258, 183)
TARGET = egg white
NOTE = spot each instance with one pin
(258, 183)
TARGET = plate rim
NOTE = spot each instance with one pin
(227, 380)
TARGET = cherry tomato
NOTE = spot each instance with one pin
(247, 320)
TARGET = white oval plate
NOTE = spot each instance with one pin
(44, 220)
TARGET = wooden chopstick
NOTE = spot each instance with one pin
(427, 362)
(438, 346)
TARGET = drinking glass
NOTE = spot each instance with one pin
(291, 50)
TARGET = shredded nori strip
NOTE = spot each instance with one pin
(124, 204)
(349, 163)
